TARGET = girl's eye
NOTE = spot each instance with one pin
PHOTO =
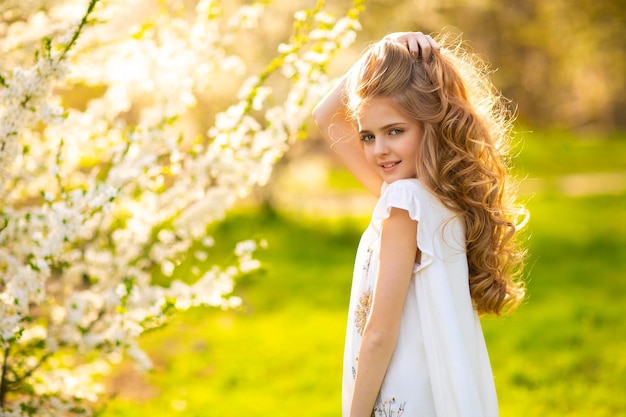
(395, 132)
(367, 138)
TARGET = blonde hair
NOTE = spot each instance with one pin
(463, 155)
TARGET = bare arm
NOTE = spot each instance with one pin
(397, 256)
(340, 134)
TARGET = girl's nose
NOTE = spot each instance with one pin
(380, 147)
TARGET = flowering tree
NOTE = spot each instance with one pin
(98, 196)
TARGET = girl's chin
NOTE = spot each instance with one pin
(391, 178)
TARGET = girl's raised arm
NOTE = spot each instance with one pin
(339, 132)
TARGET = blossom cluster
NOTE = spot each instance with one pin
(101, 194)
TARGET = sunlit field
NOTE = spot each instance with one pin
(560, 354)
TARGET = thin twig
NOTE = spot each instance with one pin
(76, 34)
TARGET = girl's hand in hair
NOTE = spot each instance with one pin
(417, 43)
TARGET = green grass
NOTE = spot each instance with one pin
(560, 354)
(549, 154)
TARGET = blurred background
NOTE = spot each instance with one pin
(560, 354)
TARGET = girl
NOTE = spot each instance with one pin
(424, 130)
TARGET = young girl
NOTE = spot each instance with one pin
(424, 130)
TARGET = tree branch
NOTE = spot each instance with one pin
(3, 382)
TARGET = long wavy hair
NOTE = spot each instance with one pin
(463, 156)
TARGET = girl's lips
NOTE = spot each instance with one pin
(389, 166)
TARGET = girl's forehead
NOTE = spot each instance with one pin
(379, 104)
(378, 110)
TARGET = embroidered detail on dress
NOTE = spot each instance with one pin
(356, 361)
(368, 261)
(387, 408)
(362, 311)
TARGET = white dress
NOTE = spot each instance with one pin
(440, 366)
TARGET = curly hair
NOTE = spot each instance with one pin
(463, 156)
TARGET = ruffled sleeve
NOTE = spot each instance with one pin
(405, 195)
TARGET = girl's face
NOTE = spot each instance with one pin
(390, 139)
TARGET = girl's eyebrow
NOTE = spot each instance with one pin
(387, 126)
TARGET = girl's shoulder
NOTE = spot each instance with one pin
(412, 195)
(406, 194)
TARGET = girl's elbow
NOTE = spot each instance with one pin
(318, 115)
(379, 338)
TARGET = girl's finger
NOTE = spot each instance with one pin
(424, 45)
(433, 44)
(413, 45)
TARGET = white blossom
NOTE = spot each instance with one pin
(101, 195)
